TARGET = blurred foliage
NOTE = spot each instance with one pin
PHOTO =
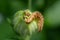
(49, 8)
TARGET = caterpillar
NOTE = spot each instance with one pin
(35, 15)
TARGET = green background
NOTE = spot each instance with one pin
(49, 8)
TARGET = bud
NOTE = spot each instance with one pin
(26, 23)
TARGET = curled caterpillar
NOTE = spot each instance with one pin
(35, 15)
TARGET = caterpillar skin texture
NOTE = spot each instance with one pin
(35, 15)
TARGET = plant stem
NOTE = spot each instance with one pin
(29, 4)
(27, 37)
